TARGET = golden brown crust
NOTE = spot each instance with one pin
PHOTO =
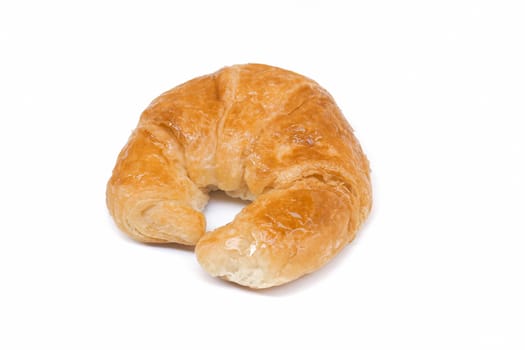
(256, 132)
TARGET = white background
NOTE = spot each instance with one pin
(435, 91)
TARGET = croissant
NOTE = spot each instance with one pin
(259, 133)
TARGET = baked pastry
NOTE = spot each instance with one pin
(259, 133)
